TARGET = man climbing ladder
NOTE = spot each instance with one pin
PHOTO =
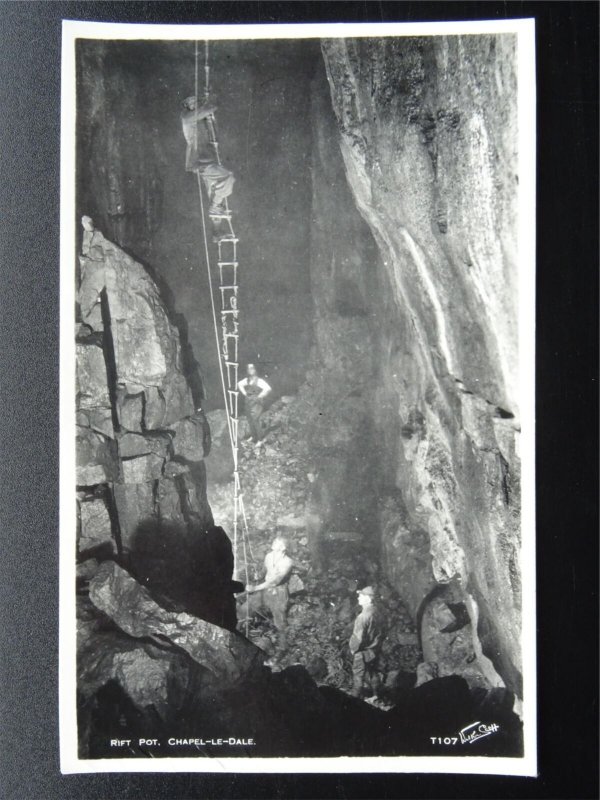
(201, 157)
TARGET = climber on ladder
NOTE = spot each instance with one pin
(201, 157)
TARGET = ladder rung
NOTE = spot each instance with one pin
(234, 335)
(228, 263)
(230, 311)
(234, 287)
(232, 239)
(232, 363)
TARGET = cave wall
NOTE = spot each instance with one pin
(426, 132)
(140, 441)
(131, 180)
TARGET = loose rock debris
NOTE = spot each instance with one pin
(323, 606)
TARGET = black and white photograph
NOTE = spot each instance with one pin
(297, 501)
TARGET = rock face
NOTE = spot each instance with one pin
(140, 442)
(431, 166)
(229, 656)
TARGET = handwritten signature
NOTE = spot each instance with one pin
(477, 730)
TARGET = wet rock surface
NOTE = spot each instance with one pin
(431, 165)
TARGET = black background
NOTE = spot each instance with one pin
(567, 424)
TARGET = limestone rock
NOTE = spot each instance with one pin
(431, 166)
(141, 669)
(136, 503)
(97, 460)
(99, 420)
(191, 439)
(146, 347)
(87, 569)
(95, 525)
(133, 444)
(142, 469)
(169, 500)
(228, 656)
(93, 399)
(426, 671)
(130, 409)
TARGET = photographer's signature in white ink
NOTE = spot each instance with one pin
(471, 733)
(477, 730)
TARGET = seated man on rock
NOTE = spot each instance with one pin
(273, 592)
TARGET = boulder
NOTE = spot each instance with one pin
(142, 670)
(228, 656)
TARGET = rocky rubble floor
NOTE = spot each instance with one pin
(323, 606)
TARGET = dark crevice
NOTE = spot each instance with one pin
(108, 349)
(114, 519)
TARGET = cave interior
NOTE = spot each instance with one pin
(374, 203)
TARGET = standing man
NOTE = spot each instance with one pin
(201, 156)
(255, 390)
(273, 592)
(365, 644)
(316, 515)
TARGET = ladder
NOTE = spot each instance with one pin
(228, 345)
(227, 263)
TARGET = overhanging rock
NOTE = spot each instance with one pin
(229, 657)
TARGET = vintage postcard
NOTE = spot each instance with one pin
(297, 398)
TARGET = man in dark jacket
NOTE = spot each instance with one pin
(365, 644)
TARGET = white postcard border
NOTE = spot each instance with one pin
(477, 765)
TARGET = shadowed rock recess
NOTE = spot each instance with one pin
(406, 406)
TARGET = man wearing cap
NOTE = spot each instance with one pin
(365, 644)
(201, 155)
